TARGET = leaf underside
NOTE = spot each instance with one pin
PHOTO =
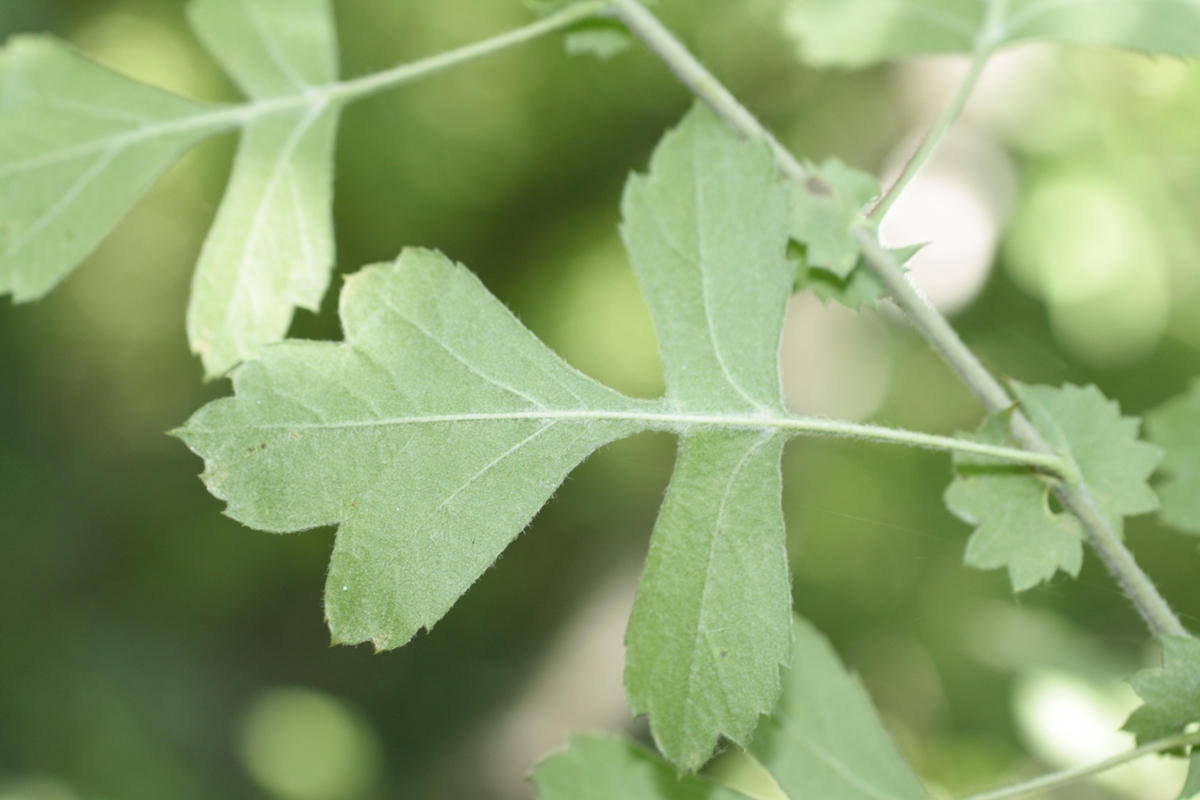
(436, 431)
(1175, 427)
(858, 33)
(271, 247)
(78, 145)
(824, 740)
(823, 210)
(1016, 526)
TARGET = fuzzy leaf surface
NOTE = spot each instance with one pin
(707, 233)
(861, 287)
(1175, 427)
(1016, 527)
(79, 144)
(824, 739)
(858, 33)
(271, 248)
(431, 437)
(823, 211)
(1171, 692)
(598, 767)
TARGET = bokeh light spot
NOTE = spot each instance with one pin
(299, 744)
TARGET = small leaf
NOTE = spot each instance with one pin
(859, 289)
(1016, 527)
(602, 38)
(824, 208)
(707, 233)
(824, 739)
(597, 767)
(421, 436)
(1175, 427)
(79, 144)
(1171, 692)
(271, 248)
(858, 33)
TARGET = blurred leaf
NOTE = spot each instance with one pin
(824, 739)
(1016, 527)
(1171, 692)
(421, 436)
(271, 247)
(1191, 788)
(858, 33)
(78, 145)
(824, 208)
(1175, 427)
(602, 38)
(707, 234)
(860, 288)
(598, 767)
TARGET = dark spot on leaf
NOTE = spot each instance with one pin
(818, 187)
(722, 653)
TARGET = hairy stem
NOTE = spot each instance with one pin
(1075, 495)
(936, 135)
(1070, 776)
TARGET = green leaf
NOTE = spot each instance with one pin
(602, 38)
(1016, 526)
(824, 739)
(710, 628)
(1191, 788)
(440, 427)
(1171, 693)
(858, 33)
(707, 234)
(431, 437)
(1175, 427)
(271, 248)
(597, 767)
(859, 289)
(78, 145)
(824, 208)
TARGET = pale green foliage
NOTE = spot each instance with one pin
(78, 145)
(1017, 528)
(858, 33)
(422, 437)
(598, 767)
(1175, 427)
(707, 234)
(1172, 692)
(271, 247)
(600, 38)
(824, 740)
(824, 208)
(440, 427)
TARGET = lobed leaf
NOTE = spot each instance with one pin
(79, 144)
(707, 234)
(1010, 507)
(598, 767)
(271, 247)
(1175, 427)
(436, 431)
(861, 287)
(859, 33)
(431, 437)
(1171, 692)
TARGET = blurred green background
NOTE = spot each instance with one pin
(152, 648)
